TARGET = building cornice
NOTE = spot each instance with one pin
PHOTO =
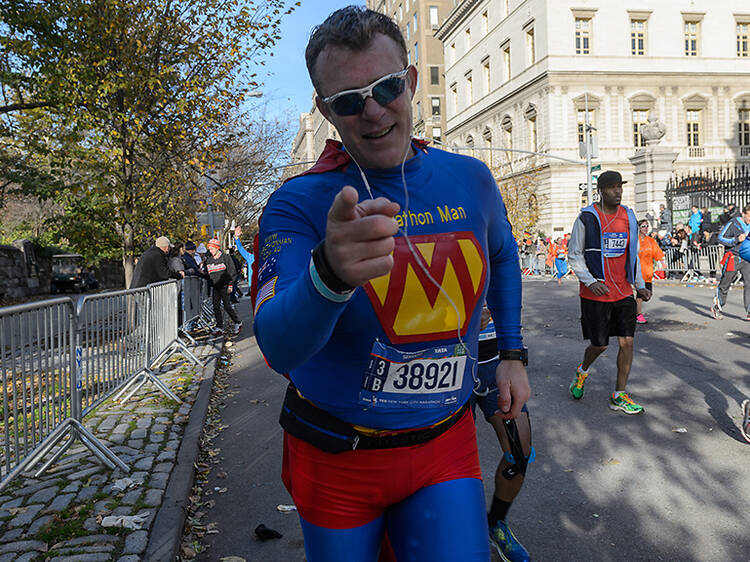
(456, 17)
(499, 101)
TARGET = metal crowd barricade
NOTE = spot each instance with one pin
(41, 400)
(693, 263)
(113, 342)
(59, 363)
(191, 301)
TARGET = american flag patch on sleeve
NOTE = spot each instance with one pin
(266, 292)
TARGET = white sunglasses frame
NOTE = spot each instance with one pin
(366, 92)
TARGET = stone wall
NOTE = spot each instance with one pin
(13, 276)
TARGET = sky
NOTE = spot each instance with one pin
(287, 90)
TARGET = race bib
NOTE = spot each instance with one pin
(615, 244)
(413, 379)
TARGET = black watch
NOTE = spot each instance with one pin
(515, 354)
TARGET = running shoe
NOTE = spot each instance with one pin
(745, 426)
(576, 387)
(216, 332)
(237, 328)
(716, 309)
(625, 404)
(507, 545)
(640, 319)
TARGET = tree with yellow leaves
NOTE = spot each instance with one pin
(137, 96)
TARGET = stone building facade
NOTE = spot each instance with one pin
(419, 19)
(519, 74)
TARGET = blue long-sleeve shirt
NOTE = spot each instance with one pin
(457, 224)
(249, 258)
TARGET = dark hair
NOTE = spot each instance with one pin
(353, 28)
(746, 208)
(174, 251)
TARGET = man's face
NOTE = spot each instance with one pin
(191, 252)
(746, 217)
(611, 195)
(380, 135)
(164, 249)
(214, 251)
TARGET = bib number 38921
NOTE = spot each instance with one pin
(425, 378)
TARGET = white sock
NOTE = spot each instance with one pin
(616, 394)
(580, 369)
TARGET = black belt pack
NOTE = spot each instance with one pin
(328, 433)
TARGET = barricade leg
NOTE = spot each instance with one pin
(149, 376)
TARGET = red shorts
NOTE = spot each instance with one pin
(346, 490)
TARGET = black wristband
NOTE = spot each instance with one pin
(326, 274)
(515, 355)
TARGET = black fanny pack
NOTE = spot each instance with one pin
(328, 433)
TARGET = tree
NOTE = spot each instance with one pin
(517, 181)
(142, 93)
(249, 170)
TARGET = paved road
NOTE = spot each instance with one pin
(605, 486)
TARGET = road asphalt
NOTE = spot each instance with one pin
(670, 484)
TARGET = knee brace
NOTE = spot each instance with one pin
(515, 457)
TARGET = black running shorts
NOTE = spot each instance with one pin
(600, 320)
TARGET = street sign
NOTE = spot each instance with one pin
(218, 219)
(594, 177)
(596, 167)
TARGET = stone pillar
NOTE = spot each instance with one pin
(654, 166)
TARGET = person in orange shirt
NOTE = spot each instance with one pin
(560, 252)
(550, 261)
(648, 253)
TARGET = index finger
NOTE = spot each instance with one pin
(343, 206)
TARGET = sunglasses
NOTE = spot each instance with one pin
(384, 90)
(643, 226)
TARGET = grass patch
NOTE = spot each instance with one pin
(67, 524)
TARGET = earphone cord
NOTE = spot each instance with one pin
(405, 232)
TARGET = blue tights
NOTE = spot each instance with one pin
(442, 522)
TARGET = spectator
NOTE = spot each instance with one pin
(730, 212)
(152, 266)
(174, 261)
(189, 262)
(665, 219)
(695, 221)
(236, 293)
(174, 258)
(201, 252)
(222, 272)
(648, 254)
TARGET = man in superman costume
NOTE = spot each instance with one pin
(372, 271)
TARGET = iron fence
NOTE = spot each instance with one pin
(711, 188)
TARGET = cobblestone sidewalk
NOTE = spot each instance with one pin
(58, 516)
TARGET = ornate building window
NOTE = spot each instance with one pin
(486, 72)
(530, 47)
(638, 37)
(694, 140)
(506, 62)
(583, 36)
(507, 125)
(742, 39)
(743, 119)
(692, 36)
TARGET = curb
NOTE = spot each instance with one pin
(166, 534)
